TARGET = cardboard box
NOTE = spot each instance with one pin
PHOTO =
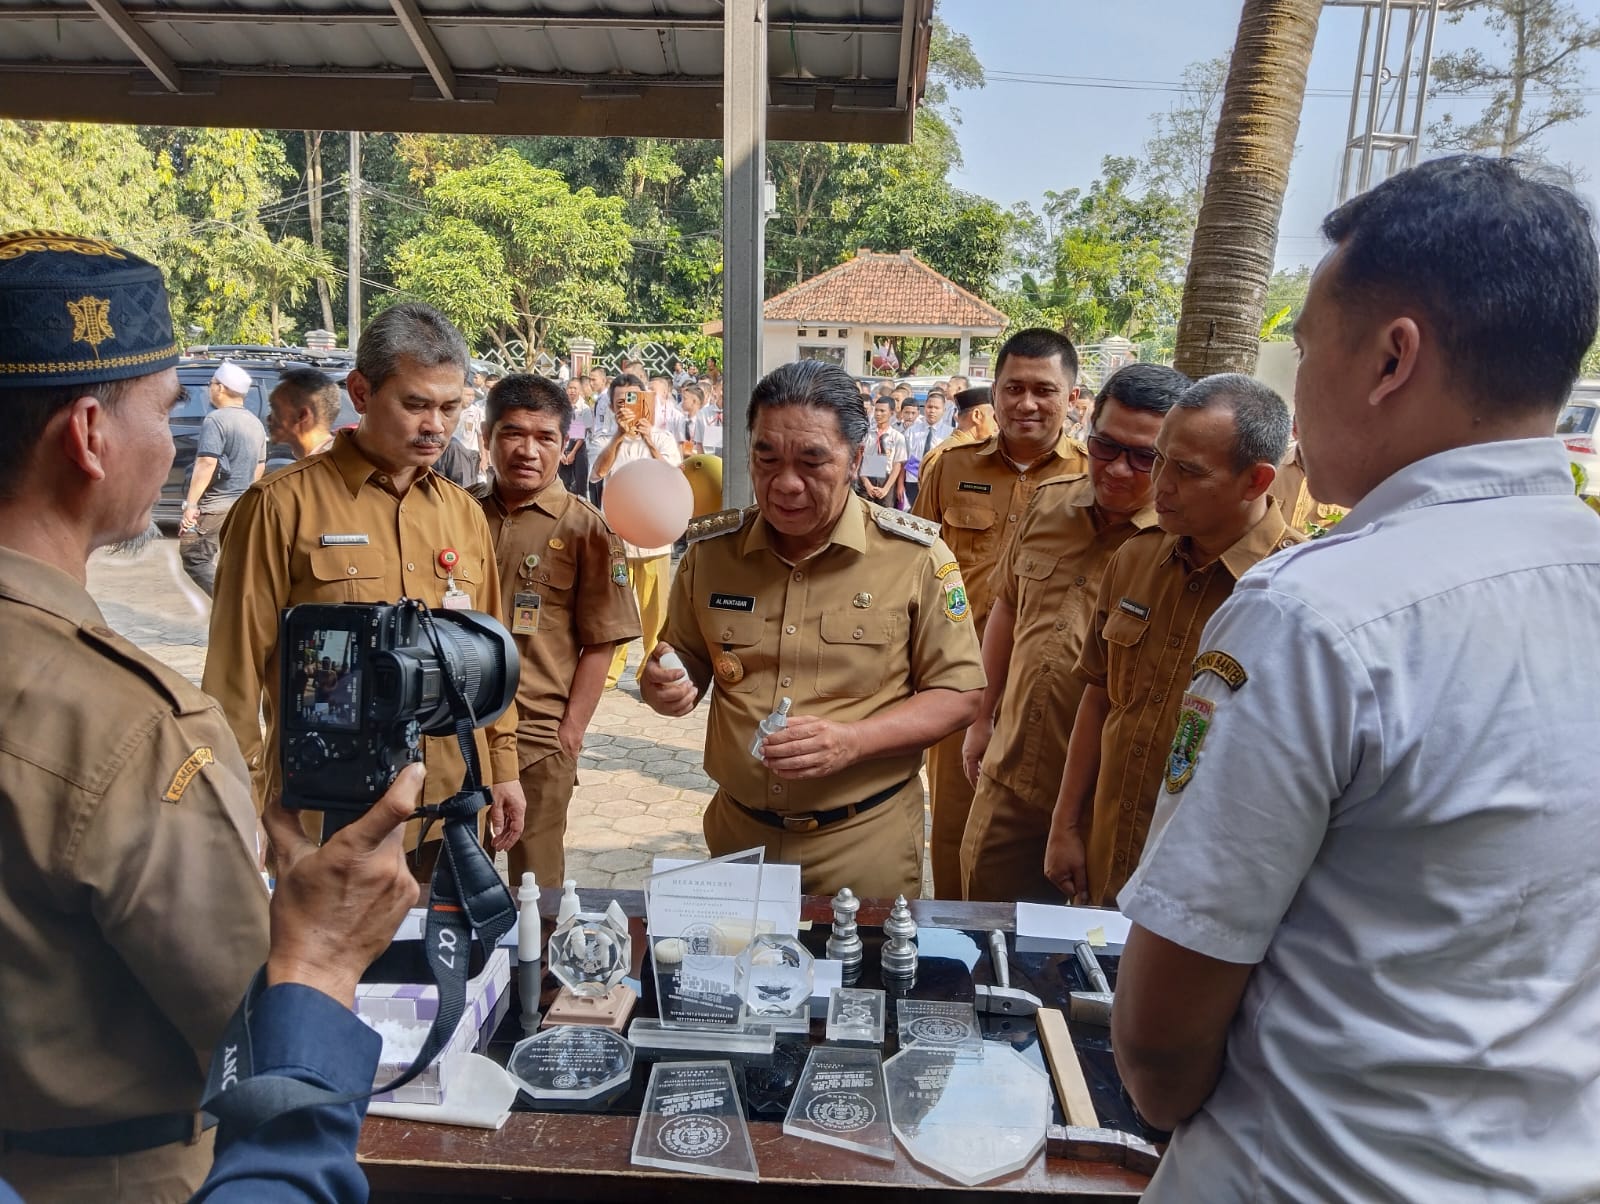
(415, 1005)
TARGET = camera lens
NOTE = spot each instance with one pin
(480, 657)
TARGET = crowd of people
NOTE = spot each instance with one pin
(1336, 784)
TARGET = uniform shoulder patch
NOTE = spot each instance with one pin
(724, 522)
(1223, 665)
(1195, 716)
(906, 526)
(187, 772)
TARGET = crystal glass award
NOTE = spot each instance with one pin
(970, 1119)
(939, 1024)
(693, 1120)
(777, 975)
(700, 920)
(572, 1066)
(856, 1015)
(841, 1101)
(590, 954)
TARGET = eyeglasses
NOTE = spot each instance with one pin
(1107, 451)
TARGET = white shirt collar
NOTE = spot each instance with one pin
(1479, 470)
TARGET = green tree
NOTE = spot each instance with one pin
(87, 179)
(962, 236)
(1178, 155)
(1111, 260)
(536, 260)
(1543, 43)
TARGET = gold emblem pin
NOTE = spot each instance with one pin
(557, 544)
(862, 601)
(729, 668)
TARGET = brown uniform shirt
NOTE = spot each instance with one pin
(131, 914)
(1050, 577)
(1143, 638)
(956, 438)
(1299, 507)
(876, 616)
(556, 548)
(273, 557)
(978, 498)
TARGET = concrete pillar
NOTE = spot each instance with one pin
(744, 172)
(966, 355)
(581, 352)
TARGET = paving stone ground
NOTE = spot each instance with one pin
(641, 790)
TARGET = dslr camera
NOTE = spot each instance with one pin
(364, 682)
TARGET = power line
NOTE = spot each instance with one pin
(1120, 84)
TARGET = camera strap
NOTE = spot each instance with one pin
(466, 897)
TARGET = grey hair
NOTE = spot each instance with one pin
(1261, 420)
(414, 330)
(820, 385)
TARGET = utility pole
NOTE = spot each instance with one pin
(353, 284)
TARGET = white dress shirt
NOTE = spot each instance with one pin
(1394, 817)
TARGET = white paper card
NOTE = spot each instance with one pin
(1043, 928)
(875, 466)
(780, 890)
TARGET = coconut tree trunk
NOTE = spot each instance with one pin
(1231, 260)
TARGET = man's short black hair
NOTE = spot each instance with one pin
(525, 391)
(1261, 420)
(313, 390)
(1038, 343)
(1153, 388)
(29, 410)
(1500, 267)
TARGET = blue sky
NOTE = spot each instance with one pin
(1020, 140)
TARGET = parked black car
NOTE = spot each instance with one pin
(265, 365)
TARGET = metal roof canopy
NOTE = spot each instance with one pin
(838, 70)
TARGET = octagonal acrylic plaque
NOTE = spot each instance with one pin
(969, 1119)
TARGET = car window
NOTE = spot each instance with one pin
(196, 400)
(1577, 420)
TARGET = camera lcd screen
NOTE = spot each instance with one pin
(325, 680)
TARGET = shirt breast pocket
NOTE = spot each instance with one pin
(1125, 636)
(856, 653)
(739, 635)
(553, 581)
(970, 531)
(1032, 568)
(469, 578)
(342, 574)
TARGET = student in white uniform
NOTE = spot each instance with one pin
(1365, 962)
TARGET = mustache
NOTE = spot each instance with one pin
(428, 441)
(135, 544)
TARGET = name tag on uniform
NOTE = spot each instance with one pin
(525, 613)
(1133, 608)
(874, 465)
(974, 487)
(455, 599)
(733, 602)
(344, 541)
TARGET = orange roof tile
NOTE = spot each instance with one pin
(876, 289)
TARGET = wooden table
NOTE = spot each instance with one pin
(553, 1156)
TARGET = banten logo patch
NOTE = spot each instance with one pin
(198, 760)
(1223, 665)
(1194, 721)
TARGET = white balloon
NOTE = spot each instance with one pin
(648, 502)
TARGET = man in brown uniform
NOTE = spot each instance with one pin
(1218, 450)
(131, 913)
(977, 494)
(368, 521)
(1045, 594)
(855, 613)
(974, 422)
(564, 584)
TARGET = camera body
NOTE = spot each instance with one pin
(362, 683)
